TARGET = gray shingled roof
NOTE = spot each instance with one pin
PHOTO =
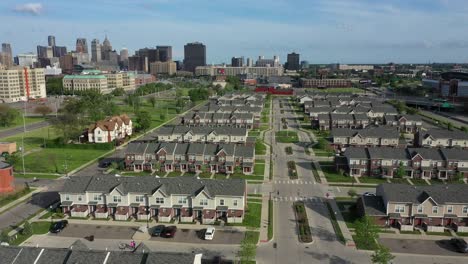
(4, 165)
(77, 184)
(380, 132)
(455, 154)
(426, 153)
(120, 257)
(444, 133)
(373, 205)
(170, 258)
(149, 184)
(53, 256)
(84, 257)
(356, 153)
(441, 193)
(388, 153)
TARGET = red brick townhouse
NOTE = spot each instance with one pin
(432, 208)
(181, 199)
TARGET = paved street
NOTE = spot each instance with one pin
(18, 130)
(198, 237)
(98, 231)
(423, 247)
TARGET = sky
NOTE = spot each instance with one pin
(321, 31)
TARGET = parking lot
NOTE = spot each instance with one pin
(197, 236)
(424, 247)
(98, 231)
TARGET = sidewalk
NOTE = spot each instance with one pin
(20, 200)
(264, 221)
(320, 172)
(341, 223)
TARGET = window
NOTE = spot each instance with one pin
(465, 209)
(159, 200)
(140, 198)
(80, 198)
(67, 197)
(97, 197)
(420, 209)
(399, 208)
(435, 209)
(182, 200)
(117, 199)
(221, 202)
(449, 209)
(203, 201)
(234, 202)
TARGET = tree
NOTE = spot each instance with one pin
(247, 251)
(382, 255)
(162, 116)
(449, 126)
(366, 231)
(4, 237)
(13, 159)
(27, 229)
(143, 120)
(43, 110)
(464, 129)
(7, 115)
(118, 92)
(152, 101)
(400, 172)
(352, 193)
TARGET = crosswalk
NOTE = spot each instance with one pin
(296, 199)
(301, 182)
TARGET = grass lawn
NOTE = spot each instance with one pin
(247, 177)
(38, 228)
(445, 233)
(419, 182)
(399, 180)
(174, 174)
(372, 180)
(336, 227)
(333, 176)
(255, 195)
(18, 122)
(33, 139)
(254, 133)
(38, 176)
(141, 173)
(204, 175)
(437, 181)
(260, 148)
(463, 234)
(364, 245)
(349, 212)
(8, 198)
(286, 137)
(59, 160)
(251, 237)
(270, 219)
(252, 215)
(259, 169)
(220, 176)
(415, 232)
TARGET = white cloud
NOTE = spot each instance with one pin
(30, 8)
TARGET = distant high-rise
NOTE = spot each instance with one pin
(304, 64)
(249, 62)
(138, 63)
(237, 61)
(95, 50)
(262, 62)
(293, 62)
(59, 51)
(66, 63)
(51, 41)
(194, 55)
(7, 55)
(124, 54)
(81, 45)
(44, 52)
(164, 53)
(106, 48)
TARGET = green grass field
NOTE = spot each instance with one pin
(259, 169)
(33, 139)
(286, 137)
(18, 122)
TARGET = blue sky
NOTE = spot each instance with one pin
(322, 31)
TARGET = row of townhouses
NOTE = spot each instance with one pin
(189, 157)
(432, 208)
(404, 123)
(237, 100)
(338, 102)
(371, 136)
(246, 120)
(372, 112)
(425, 163)
(201, 134)
(214, 108)
(329, 121)
(442, 138)
(110, 129)
(182, 199)
(249, 97)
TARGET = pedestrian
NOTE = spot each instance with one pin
(132, 244)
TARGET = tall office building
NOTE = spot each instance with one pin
(124, 54)
(51, 41)
(81, 45)
(293, 62)
(95, 50)
(237, 62)
(106, 48)
(45, 52)
(166, 67)
(6, 56)
(262, 62)
(138, 63)
(304, 64)
(66, 63)
(194, 55)
(59, 51)
(6, 48)
(164, 53)
(27, 59)
(249, 62)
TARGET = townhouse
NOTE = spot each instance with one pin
(214, 108)
(374, 136)
(404, 123)
(110, 129)
(200, 134)
(374, 112)
(432, 208)
(331, 121)
(189, 157)
(181, 199)
(442, 138)
(419, 163)
(246, 120)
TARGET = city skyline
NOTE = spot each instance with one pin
(325, 31)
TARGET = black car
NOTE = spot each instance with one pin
(169, 231)
(58, 226)
(157, 230)
(460, 244)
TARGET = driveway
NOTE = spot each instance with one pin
(98, 231)
(197, 237)
(423, 247)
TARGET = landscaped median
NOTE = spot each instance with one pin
(304, 234)
(292, 170)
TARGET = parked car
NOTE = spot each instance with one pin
(368, 194)
(209, 233)
(460, 244)
(158, 230)
(57, 227)
(169, 231)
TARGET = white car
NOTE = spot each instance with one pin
(368, 194)
(209, 233)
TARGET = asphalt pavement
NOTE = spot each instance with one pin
(17, 130)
